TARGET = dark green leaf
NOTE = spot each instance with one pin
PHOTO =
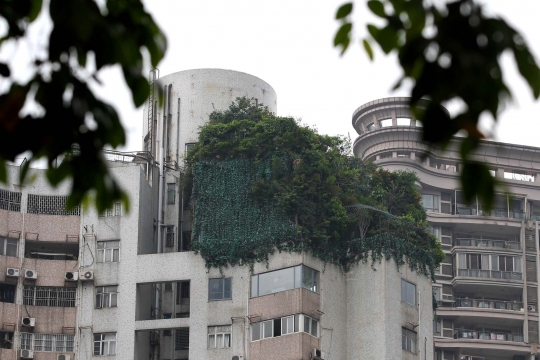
(342, 37)
(344, 10)
(368, 49)
(377, 8)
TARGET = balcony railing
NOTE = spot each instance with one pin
(500, 213)
(489, 304)
(493, 274)
(497, 336)
(487, 243)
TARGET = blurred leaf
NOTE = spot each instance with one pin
(376, 7)
(342, 37)
(368, 49)
(344, 10)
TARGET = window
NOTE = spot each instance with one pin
(7, 338)
(168, 286)
(47, 342)
(108, 251)
(385, 123)
(189, 146)
(370, 127)
(105, 344)
(171, 193)
(10, 200)
(408, 292)
(169, 236)
(408, 340)
(219, 289)
(403, 121)
(181, 339)
(49, 296)
(285, 279)
(8, 246)
(182, 291)
(116, 210)
(7, 293)
(283, 326)
(437, 327)
(186, 241)
(106, 296)
(219, 337)
(430, 202)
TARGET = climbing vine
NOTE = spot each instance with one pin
(259, 183)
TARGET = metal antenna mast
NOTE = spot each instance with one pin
(153, 76)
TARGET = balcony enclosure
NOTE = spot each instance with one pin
(51, 250)
(285, 279)
(510, 242)
(488, 266)
(453, 202)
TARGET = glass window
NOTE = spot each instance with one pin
(267, 329)
(287, 325)
(171, 193)
(106, 296)
(285, 279)
(8, 246)
(408, 292)
(311, 325)
(408, 340)
(219, 289)
(430, 202)
(219, 337)
(370, 127)
(385, 123)
(105, 344)
(403, 121)
(255, 331)
(189, 146)
(108, 251)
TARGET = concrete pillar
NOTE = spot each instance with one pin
(500, 173)
(394, 118)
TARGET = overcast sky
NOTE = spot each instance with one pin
(289, 45)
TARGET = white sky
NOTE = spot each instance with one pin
(289, 45)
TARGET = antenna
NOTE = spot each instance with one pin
(152, 77)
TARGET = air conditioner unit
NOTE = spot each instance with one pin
(87, 276)
(28, 321)
(531, 307)
(12, 272)
(63, 357)
(27, 354)
(30, 274)
(317, 354)
(72, 276)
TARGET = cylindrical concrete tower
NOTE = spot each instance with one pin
(190, 96)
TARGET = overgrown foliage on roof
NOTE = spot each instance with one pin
(261, 183)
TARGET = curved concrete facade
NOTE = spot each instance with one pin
(487, 287)
(191, 95)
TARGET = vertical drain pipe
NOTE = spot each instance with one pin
(537, 271)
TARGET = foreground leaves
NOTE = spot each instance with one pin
(451, 53)
(72, 120)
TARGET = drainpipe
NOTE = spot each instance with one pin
(537, 269)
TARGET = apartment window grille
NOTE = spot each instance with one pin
(8, 246)
(408, 292)
(182, 289)
(104, 344)
(108, 251)
(219, 337)
(219, 289)
(47, 342)
(49, 296)
(430, 202)
(186, 241)
(171, 193)
(106, 296)
(283, 326)
(408, 340)
(285, 279)
(169, 236)
(10, 200)
(181, 339)
(50, 205)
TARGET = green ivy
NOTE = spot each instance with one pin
(260, 183)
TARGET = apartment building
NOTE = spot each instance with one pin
(487, 287)
(126, 285)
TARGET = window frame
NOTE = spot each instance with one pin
(299, 275)
(52, 341)
(223, 280)
(406, 292)
(169, 235)
(106, 296)
(56, 296)
(102, 252)
(408, 343)
(171, 189)
(216, 334)
(5, 242)
(103, 341)
(267, 328)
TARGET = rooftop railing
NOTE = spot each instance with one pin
(487, 243)
(490, 274)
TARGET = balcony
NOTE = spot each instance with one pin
(489, 304)
(493, 274)
(487, 243)
(480, 335)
